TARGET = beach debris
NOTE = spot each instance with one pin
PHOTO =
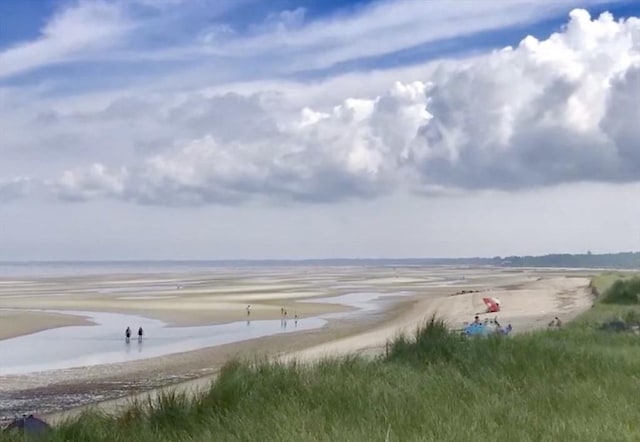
(621, 326)
(616, 326)
(465, 292)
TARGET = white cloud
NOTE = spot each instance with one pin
(547, 112)
(87, 25)
(534, 115)
(251, 148)
(95, 182)
(194, 34)
(381, 28)
(176, 152)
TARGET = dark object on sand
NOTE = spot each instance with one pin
(28, 425)
(616, 326)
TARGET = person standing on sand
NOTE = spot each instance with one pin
(249, 310)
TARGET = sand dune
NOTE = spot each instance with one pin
(529, 307)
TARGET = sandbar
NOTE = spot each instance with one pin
(14, 323)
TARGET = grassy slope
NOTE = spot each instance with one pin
(602, 311)
(572, 384)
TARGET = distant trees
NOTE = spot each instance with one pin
(625, 260)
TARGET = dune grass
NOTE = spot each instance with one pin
(610, 305)
(573, 384)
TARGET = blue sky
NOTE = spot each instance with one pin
(180, 129)
(167, 35)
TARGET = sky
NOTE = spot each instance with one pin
(292, 129)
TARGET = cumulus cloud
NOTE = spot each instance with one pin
(251, 150)
(94, 182)
(543, 113)
(537, 114)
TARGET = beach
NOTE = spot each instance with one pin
(198, 320)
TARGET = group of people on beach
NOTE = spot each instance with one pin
(127, 334)
(283, 315)
(488, 324)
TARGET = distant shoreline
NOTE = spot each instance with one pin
(619, 260)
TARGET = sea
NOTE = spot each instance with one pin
(77, 268)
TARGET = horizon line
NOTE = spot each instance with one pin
(300, 260)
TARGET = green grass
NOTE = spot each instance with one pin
(573, 384)
(606, 311)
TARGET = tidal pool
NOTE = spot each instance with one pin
(104, 342)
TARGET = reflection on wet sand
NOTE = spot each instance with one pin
(102, 343)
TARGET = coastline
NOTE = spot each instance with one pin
(368, 341)
(531, 299)
(76, 389)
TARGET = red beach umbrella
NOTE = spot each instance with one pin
(492, 305)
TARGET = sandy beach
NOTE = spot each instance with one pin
(405, 297)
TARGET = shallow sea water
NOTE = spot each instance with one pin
(103, 343)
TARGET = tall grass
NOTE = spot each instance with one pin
(623, 292)
(607, 304)
(574, 384)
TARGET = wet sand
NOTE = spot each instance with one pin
(530, 298)
(197, 298)
(18, 323)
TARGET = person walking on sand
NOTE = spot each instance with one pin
(140, 333)
(249, 310)
(127, 334)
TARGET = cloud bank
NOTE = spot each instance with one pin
(544, 113)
